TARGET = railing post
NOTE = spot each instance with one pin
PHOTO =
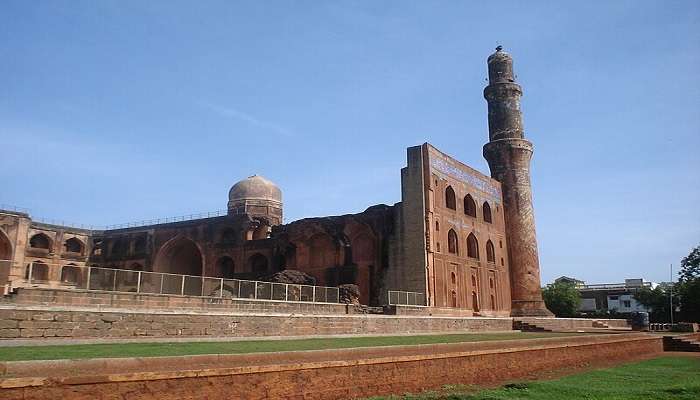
(138, 283)
(221, 288)
(255, 292)
(239, 289)
(87, 286)
(29, 273)
(161, 283)
(286, 292)
(114, 282)
(313, 297)
(182, 287)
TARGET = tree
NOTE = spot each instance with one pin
(656, 300)
(562, 299)
(690, 266)
(688, 288)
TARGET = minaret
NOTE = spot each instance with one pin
(508, 154)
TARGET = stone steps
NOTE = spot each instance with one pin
(681, 343)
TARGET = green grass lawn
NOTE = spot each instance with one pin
(664, 378)
(81, 351)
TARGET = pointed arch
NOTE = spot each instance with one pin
(225, 267)
(40, 241)
(40, 272)
(490, 252)
(5, 248)
(74, 245)
(452, 242)
(71, 274)
(472, 246)
(469, 206)
(180, 255)
(486, 209)
(450, 198)
(258, 264)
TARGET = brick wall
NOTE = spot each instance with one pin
(343, 376)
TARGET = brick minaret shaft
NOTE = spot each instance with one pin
(508, 154)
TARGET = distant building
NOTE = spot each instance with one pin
(609, 296)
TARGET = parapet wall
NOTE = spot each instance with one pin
(171, 303)
(328, 374)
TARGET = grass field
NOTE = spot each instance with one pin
(665, 378)
(82, 351)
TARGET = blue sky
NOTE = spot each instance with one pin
(116, 111)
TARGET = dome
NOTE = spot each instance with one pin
(499, 55)
(255, 188)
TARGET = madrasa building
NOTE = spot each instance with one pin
(459, 241)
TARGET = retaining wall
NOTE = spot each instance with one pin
(573, 323)
(334, 374)
(45, 322)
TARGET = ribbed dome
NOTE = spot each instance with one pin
(255, 188)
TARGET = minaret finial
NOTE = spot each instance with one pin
(499, 48)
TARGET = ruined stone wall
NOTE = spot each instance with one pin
(407, 264)
(16, 232)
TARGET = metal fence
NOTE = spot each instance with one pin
(147, 222)
(129, 281)
(402, 298)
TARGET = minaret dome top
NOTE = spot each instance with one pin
(500, 67)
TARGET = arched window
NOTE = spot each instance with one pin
(454, 278)
(490, 252)
(71, 274)
(437, 246)
(452, 244)
(40, 272)
(450, 201)
(454, 299)
(493, 302)
(437, 226)
(475, 302)
(472, 246)
(40, 241)
(225, 267)
(257, 264)
(469, 206)
(73, 245)
(487, 212)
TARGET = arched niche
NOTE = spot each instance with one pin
(180, 255)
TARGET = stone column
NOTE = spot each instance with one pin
(508, 154)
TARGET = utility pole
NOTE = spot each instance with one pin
(670, 296)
